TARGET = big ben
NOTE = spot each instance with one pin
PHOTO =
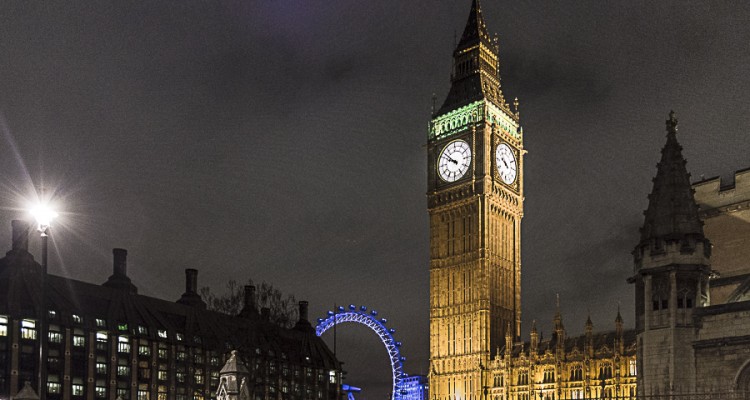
(475, 202)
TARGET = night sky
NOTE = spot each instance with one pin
(284, 141)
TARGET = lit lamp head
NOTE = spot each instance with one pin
(43, 216)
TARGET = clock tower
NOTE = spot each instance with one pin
(475, 202)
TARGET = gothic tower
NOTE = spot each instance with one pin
(475, 202)
(672, 267)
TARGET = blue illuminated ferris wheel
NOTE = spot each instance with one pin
(370, 319)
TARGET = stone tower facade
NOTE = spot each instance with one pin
(672, 269)
(475, 202)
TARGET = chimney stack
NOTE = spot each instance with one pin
(120, 257)
(191, 280)
(303, 324)
(119, 278)
(20, 235)
(303, 311)
(191, 297)
(249, 309)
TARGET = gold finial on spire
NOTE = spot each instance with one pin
(515, 107)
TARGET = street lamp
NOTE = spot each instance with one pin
(43, 215)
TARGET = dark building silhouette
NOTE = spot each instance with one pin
(106, 341)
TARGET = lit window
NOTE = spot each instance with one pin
(332, 376)
(123, 345)
(162, 333)
(181, 356)
(142, 330)
(101, 392)
(123, 370)
(77, 319)
(162, 375)
(54, 337)
(122, 327)
(180, 337)
(28, 329)
(123, 393)
(632, 369)
(51, 314)
(100, 323)
(101, 368)
(162, 353)
(144, 350)
(79, 341)
(142, 395)
(77, 390)
(53, 387)
(3, 325)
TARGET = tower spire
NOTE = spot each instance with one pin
(672, 213)
(476, 67)
(475, 30)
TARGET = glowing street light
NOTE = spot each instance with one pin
(43, 215)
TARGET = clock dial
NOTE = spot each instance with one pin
(454, 161)
(506, 163)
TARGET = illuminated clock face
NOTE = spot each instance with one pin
(454, 161)
(506, 163)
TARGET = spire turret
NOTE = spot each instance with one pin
(672, 213)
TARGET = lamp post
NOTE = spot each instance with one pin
(43, 216)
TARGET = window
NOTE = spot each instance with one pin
(198, 376)
(79, 341)
(53, 387)
(28, 329)
(100, 323)
(123, 393)
(122, 327)
(331, 377)
(198, 358)
(77, 390)
(162, 353)
(180, 337)
(632, 369)
(180, 375)
(162, 392)
(162, 333)
(101, 341)
(52, 314)
(123, 370)
(54, 336)
(101, 368)
(144, 350)
(142, 330)
(101, 392)
(197, 339)
(3, 325)
(162, 376)
(181, 356)
(77, 319)
(123, 345)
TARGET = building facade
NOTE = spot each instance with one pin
(475, 202)
(107, 341)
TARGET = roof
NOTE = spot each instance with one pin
(124, 311)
